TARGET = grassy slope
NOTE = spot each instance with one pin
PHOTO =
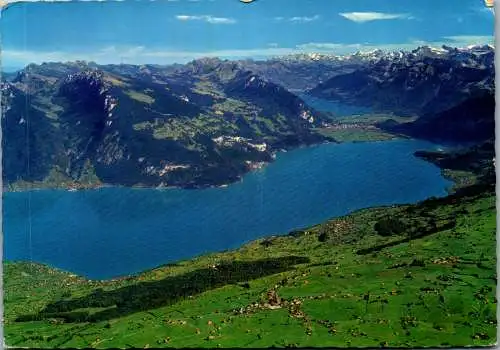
(340, 284)
(357, 135)
(363, 128)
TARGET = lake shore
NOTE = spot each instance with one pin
(297, 277)
(276, 199)
(357, 128)
(216, 255)
(24, 186)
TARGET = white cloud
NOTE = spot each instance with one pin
(304, 19)
(143, 55)
(298, 19)
(361, 17)
(470, 39)
(206, 18)
(321, 46)
(184, 17)
(132, 55)
(220, 20)
(341, 48)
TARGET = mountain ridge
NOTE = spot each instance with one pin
(209, 121)
(141, 127)
(420, 81)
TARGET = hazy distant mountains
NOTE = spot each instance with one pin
(425, 80)
(450, 89)
(209, 121)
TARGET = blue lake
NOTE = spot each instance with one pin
(118, 231)
(336, 108)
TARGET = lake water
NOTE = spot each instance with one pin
(117, 231)
(335, 108)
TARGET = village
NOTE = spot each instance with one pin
(228, 141)
(339, 125)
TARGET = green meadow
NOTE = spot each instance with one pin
(402, 276)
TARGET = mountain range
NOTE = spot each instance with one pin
(205, 123)
(210, 121)
(425, 80)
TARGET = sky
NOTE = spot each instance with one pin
(177, 31)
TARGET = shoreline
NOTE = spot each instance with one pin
(75, 187)
(288, 234)
(254, 166)
(449, 190)
(308, 268)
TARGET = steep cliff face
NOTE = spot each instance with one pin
(201, 124)
(83, 119)
(470, 121)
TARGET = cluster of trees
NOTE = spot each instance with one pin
(389, 226)
(412, 227)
